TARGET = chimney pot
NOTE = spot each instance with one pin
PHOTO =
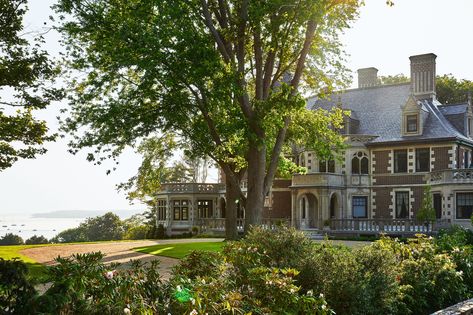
(367, 77)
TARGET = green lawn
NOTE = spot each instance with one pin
(9, 252)
(180, 250)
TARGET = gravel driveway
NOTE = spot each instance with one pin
(120, 252)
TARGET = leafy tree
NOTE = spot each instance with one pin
(37, 240)
(426, 212)
(449, 89)
(25, 72)
(393, 79)
(77, 234)
(104, 228)
(11, 239)
(225, 76)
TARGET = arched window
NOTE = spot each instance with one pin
(360, 163)
(364, 165)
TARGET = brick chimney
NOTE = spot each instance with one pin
(367, 77)
(423, 76)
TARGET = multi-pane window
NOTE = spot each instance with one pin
(205, 208)
(180, 210)
(360, 206)
(327, 166)
(400, 161)
(411, 123)
(464, 205)
(466, 159)
(322, 166)
(402, 205)
(423, 160)
(360, 163)
(161, 209)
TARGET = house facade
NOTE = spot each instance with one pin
(400, 140)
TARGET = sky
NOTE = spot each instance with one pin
(383, 37)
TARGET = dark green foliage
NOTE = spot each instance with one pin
(104, 228)
(84, 285)
(101, 228)
(199, 264)
(36, 240)
(454, 237)
(11, 239)
(25, 74)
(16, 291)
(160, 232)
(77, 234)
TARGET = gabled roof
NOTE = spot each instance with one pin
(379, 110)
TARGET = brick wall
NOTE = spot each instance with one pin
(442, 158)
(281, 207)
(418, 193)
(381, 162)
(383, 201)
(399, 179)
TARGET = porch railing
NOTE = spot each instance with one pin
(387, 225)
(191, 188)
(218, 224)
(322, 179)
(454, 176)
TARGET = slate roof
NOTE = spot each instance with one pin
(379, 110)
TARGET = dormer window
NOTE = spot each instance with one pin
(412, 123)
(413, 116)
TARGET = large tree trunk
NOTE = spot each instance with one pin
(256, 175)
(232, 194)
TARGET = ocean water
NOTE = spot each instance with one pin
(26, 225)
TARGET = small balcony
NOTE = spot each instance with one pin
(452, 176)
(191, 188)
(318, 179)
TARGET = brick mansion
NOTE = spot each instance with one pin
(400, 140)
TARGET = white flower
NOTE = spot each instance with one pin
(194, 312)
(324, 307)
(109, 274)
(321, 295)
(310, 293)
(193, 301)
(126, 310)
(292, 290)
(179, 288)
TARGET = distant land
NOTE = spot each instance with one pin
(82, 214)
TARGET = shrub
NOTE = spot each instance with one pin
(36, 240)
(428, 279)
(136, 232)
(84, 285)
(16, 291)
(454, 237)
(160, 232)
(11, 239)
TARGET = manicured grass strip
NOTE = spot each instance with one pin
(180, 250)
(9, 252)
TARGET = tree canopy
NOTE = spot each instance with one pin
(25, 74)
(227, 76)
(449, 89)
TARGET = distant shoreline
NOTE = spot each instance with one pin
(83, 214)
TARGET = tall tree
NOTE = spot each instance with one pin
(226, 75)
(25, 72)
(449, 89)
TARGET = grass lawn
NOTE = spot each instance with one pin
(180, 250)
(9, 252)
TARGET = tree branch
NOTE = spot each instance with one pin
(215, 33)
